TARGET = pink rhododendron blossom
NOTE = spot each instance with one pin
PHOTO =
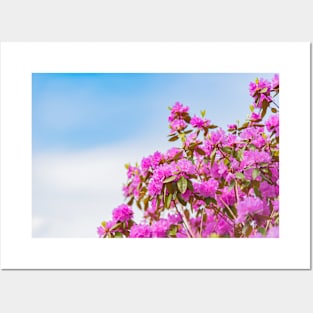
(223, 227)
(160, 228)
(272, 124)
(258, 86)
(126, 191)
(256, 235)
(275, 81)
(275, 205)
(155, 186)
(146, 164)
(206, 188)
(172, 152)
(199, 122)
(178, 125)
(267, 190)
(229, 177)
(174, 219)
(101, 231)
(217, 136)
(247, 206)
(140, 231)
(255, 116)
(179, 108)
(232, 126)
(186, 166)
(252, 133)
(198, 204)
(122, 213)
(181, 233)
(227, 197)
(222, 169)
(254, 157)
(273, 232)
(177, 112)
(231, 139)
(156, 158)
(105, 229)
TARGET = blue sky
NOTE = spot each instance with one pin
(85, 127)
(75, 111)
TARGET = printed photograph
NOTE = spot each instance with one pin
(155, 155)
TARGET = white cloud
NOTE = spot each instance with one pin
(74, 191)
(38, 223)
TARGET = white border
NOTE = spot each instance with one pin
(20, 251)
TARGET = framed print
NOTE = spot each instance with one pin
(177, 155)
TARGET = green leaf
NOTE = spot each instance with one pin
(251, 107)
(181, 200)
(240, 176)
(213, 126)
(159, 198)
(182, 137)
(227, 150)
(214, 235)
(187, 118)
(115, 226)
(231, 185)
(138, 205)
(210, 200)
(193, 145)
(247, 230)
(169, 179)
(103, 223)
(257, 191)
(171, 187)
(203, 113)
(263, 111)
(182, 184)
(173, 230)
(252, 147)
(189, 185)
(239, 155)
(174, 138)
(118, 235)
(146, 203)
(263, 90)
(262, 231)
(131, 201)
(255, 173)
(187, 214)
(168, 200)
(213, 154)
(205, 217)
(178, 155)
(200, 151)
(244, 125)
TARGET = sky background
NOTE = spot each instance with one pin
(85, 127)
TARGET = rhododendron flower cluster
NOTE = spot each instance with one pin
(214, 183)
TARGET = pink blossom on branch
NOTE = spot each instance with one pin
(216, 184)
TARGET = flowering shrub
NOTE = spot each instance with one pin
(216, 184)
